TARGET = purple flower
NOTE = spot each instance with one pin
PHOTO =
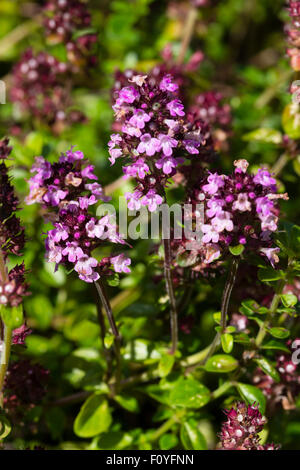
(152, 200)
(54, 195)
(167, 85)
(167, 144)
(58, 233)
(121, 263)
(114, 154)
(128, 94)
(242, 203)
(138, 168)
(88, 172)
(176, 108)
(271, 254)
(96, 230)
(191, 146)
(264, 178)
(167, 164)
(211, 235)
(139, 119)
(222, 221)
(149, 145)
(131, 130)
(215, 182)
(84, 267)
(73, 252)
(133, 199)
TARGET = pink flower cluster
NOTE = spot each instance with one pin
(66, 186)
(287, 390)
(39, 88)
(240, 431)
(293, 34)
(155, 136)
(64, 19)
(240, 210)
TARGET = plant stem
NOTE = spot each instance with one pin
(106, 351)
(225, 304)
(117, 344)
(273, 307)
(227, 292)
(280, 164)
(5, 354)
(187, 33)
(171, 294)
(221, 390)
(167, 425)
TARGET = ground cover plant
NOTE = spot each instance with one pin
(149, 224)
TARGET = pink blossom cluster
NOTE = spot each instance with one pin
(39, 88)
(287, 390)
(155, 137)
(240, 210)
(70, 187)
(293, 34)
(240, 431)
(63, 20)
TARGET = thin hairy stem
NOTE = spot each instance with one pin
(6, 344)
(273, 307)
(225, 304)
(188, 30)
(171, 294)
(117, 344)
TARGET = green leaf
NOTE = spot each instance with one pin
(268, 368)
(270, 274)
(289, 300)
(221, 363)
(236, 250)
(165, 365)
(191, 437)
(115, 440)
(130, 403)
(227, 342)
(168, 441)
(291, 120)
(5, 426)
(278, 332)
(264, 135)
(93, 418)
(12, 316)
(252, 394)
(248, 307)
(189, 393)
(273, 344)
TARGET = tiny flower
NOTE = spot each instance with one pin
(114, 154)
(212, 252)
(73, 252)
(215, 182)
(133, 199)
(152, 200)
(138, 168)
(149, 145)
(84, 267)
(222, 221)
(167, 164)
(242, 203)
(270, 253)
(176, 108)
(264, 178)
(167, 85)
(128, 94)
(241, 164)
(139, 119)
(167, 144)
(121, 263)
(211, 235)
